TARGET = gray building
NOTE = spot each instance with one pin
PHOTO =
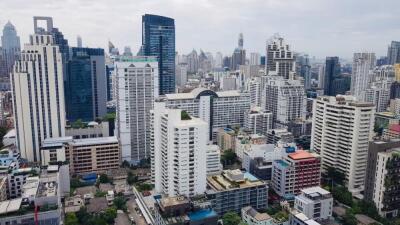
(394, 53)
(11, 48)
(233, 190)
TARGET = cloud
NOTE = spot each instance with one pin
(318, 27)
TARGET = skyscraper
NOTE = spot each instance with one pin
(38, 94)
(239, 54)
(86, 85)
(158, 39)
(362, 64)
(341, 130)
(255, 58)
(286, 99)
(11, 47)
(280, 59)
(394, 53)
(332, 71)
(79, 41)
(303, 69)
(180, 149)
(136, 88)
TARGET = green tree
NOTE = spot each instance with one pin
(104, 178)
(71, 219)
(120, 203)
(336, 176)
(131, 179)
(342, 195)
(144, 187)
(83, 215)
(231, 218)
(349, 219)
(110, 214)
(228, 157)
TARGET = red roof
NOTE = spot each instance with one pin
(395, 127)
(301, 154)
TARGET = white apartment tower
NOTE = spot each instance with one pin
(258, 121)
(38, 95)
(254, 86)
(280, 60)
(180, 150)
(378, 91)
(286, 99)
(255, 58)
(341, 130)
(360, 77)
(136, 89)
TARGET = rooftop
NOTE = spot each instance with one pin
(230, 180)
(301, 154)
(256, 215)
(95, 141)
(171, 201)
(197, 92)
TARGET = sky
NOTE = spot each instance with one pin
(317, 27)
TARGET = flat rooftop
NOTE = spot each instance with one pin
(222, 183)
(171, 201)
(95, 141)
(301, 154)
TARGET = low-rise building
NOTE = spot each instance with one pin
(232, 190)
(180, 211)
(249, 142)
(298, 218)
(252, 217)
(392, 132)
(84, 155)
(282, 135)
(89, 130)
(316, 203)
(39, 202)
(296, 171)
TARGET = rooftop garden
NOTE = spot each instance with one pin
(185, 115)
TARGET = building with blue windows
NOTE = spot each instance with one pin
(85, 84)
(158, 39)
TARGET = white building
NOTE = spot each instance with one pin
(378, 91)
(395, 106)
(360, 77)
(286, 99)
(181, 73)
(341, 130)
(251, 217)
(180, 150)
(229, 83)
(213, 160)
(137, 87)
(280, 60)
(315, 202)
(254, 87)
(218, 109)
(255, 58)
(38, 94)
(258, 121)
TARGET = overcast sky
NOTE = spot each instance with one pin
(317, 27)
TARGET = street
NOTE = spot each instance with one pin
(136, 215)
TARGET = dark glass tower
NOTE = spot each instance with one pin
(158, 39)
(85, 85)
(332, 71)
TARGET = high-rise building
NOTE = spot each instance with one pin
(381, 183)
(362, 64)
(239, 54)
(181, 74)
(394, 53)
(295, 172)
(303, 68)
(193, 62)
(180, 150)
(86, 85)
(218, 109)
(253, 86)
(280, 60)
(218, 60)
(38, 94)
(136, 88)
(79, 41)
(158, 39)
(332, 71)
(11, 48)
(255, 58)
(286, 99)
(341, 130)
(257, 121)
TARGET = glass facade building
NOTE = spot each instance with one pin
(332, 71)
(159, 40)
(85, 84)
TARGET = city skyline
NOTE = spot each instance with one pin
(342, 27)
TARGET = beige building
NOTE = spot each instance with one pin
(226, 139)
(84, 155)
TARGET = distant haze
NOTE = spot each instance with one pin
(317, 27)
